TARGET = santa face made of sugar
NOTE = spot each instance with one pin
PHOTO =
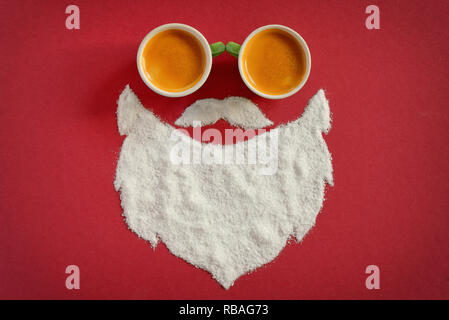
(227, 208)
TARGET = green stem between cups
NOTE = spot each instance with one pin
(217, 48)
(233, 48)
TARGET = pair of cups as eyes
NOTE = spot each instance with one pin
(215, 49)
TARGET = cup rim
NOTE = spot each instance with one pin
(197, 35)
(304, 46)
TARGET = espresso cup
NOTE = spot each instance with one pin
(274, 61)
(175, 60)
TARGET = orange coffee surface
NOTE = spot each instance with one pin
(174, 60)
(274, 62)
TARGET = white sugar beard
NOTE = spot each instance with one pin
(227, 219)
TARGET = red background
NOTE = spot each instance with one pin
(388, 91)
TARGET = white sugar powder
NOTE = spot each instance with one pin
(237, 111)
(225, 218)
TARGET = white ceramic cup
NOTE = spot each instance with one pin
(304, 47)
(197, 35)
